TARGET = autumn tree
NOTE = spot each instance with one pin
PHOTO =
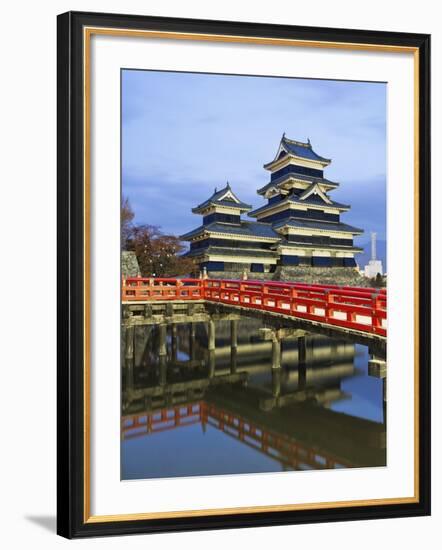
(158, 255)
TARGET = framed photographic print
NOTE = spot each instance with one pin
(243, 274)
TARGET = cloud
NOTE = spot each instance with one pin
(184, 134)
(368, 206)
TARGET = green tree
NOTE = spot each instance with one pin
(378, 280)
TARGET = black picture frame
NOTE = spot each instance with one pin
(71, 513)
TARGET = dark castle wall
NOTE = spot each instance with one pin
(294, 169)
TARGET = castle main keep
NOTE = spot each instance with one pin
(298, 230)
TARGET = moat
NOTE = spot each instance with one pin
(210, 395)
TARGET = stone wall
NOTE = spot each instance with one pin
(239, 275)
(129, 264)
(343, 276)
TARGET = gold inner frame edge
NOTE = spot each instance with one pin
(87, 34)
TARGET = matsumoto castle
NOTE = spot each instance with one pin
(297, 229)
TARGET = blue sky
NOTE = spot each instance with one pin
(185, 134)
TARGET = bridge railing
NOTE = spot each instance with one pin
(151, 289)
(355, 308)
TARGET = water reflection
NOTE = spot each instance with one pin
(231, 396)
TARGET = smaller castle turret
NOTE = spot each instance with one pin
(227, 243)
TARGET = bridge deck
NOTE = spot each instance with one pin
(357, 310)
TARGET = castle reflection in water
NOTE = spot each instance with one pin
(222, 396)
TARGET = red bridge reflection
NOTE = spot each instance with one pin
(285, 449)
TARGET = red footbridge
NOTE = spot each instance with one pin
(352, 308)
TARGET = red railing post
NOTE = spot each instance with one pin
(241, 290)
(179, 284)
(374, 318)
(293, 297)
(123, 287)
(264, 294)
(378, 313)
(329, 307)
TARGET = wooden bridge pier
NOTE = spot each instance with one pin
(276, 382)
(233, 360)
(211, 363)
(162, 353)
(192, 339)
(211, 341)
(211, 335)
(233, 345)
(276, 336)
(377, 367)
(173, 342)
(302, 363)
(234, 333)
(276, 353)
(162, 343)
(129, 357)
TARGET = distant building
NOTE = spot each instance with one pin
(298, 226)
(374, 266)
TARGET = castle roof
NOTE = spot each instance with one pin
(310, 197)
(298, 149)
(297, 223)
(228, 252)
(293, 244)
(245, 229)
(223, 197)
(295, 175)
